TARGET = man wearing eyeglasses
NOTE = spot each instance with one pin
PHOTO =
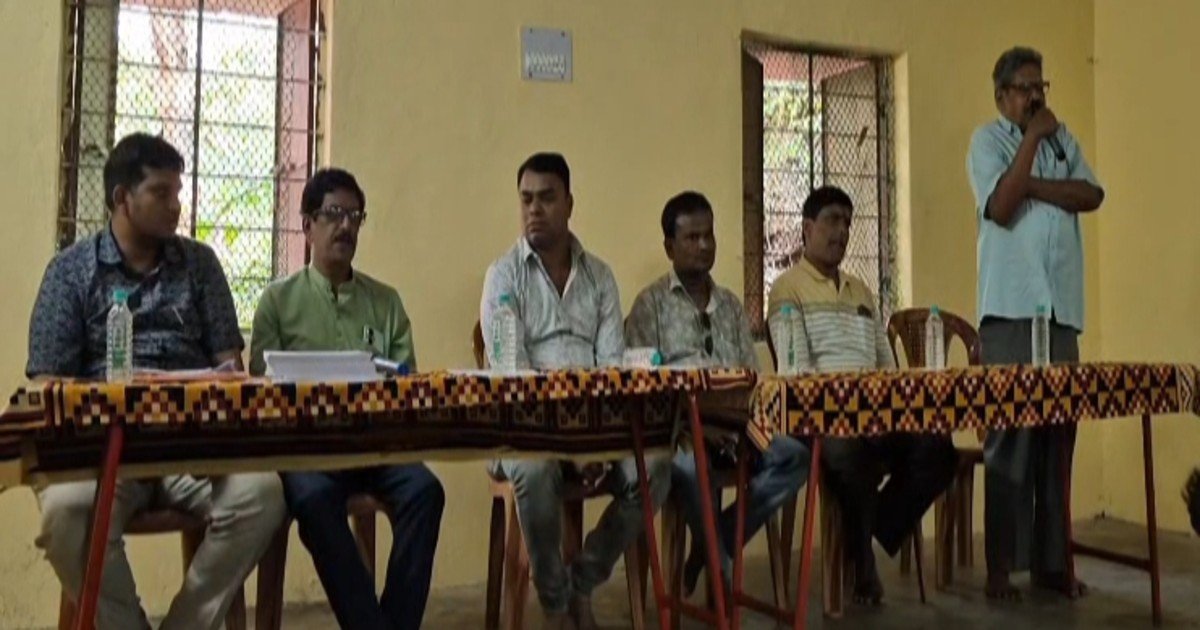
(693, 322)
(329, 305)
(1030, 182)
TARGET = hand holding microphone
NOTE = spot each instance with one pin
(1044, 124)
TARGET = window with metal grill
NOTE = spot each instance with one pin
(233, 85)
(814, 118)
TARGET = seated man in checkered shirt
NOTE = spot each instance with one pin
(183, 318)
(841, 331)
(693, 322)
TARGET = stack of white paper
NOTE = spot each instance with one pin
(353, 367)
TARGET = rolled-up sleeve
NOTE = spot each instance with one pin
(1077, 164)
(985, 166)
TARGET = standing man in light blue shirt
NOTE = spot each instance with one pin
(1030, 183)
(569, 315)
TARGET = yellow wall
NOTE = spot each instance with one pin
(428, 109)
(1147, 130)
(31, 38)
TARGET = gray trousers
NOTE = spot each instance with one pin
(1024, 502)
(538, 487)
(243, 512)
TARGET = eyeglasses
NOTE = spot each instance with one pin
(1030, 87)
(337, 214)
(706, 324)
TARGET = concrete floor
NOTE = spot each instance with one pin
(1119, 597)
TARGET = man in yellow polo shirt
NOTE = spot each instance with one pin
(329, 305)
(841, 331)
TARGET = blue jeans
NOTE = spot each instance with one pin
(780, 473)
(538, 485)
(414, 498)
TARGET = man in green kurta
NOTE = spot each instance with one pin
(329, 305)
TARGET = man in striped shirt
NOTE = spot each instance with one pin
(569, 316)
(841, 331)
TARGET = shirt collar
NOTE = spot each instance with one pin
(1009, 126)
(811, 270)
(109, 252)
(526, 250)
(673, 281)
(324, 287)
(675, 284)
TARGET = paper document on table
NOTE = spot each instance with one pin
(347, 366)
(227, 371)
(494, 374)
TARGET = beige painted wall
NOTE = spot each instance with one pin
(1145, 113)
(28, 171)
(428, 109)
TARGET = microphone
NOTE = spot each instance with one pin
(1059, 153)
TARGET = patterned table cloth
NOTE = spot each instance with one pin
(875, 402)
(565, 411)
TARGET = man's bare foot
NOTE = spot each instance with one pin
(1060, 583)
(1000, 589)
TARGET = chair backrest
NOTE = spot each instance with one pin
(908, 325)
(477, 344)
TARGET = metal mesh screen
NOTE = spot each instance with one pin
(232, 84)
(826, 120)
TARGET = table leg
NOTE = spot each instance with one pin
(1148, 564)
(739, 537)
(806, 543)
(101, 515)
(1064, 445)
(1151, 520)
(711, 540)
(639, 454)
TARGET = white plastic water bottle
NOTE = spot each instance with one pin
(503, 357)
(118, 358)
(1041, 336)
(645, 358)
(935, 340)
(785, 338)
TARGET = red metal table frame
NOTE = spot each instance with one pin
(596, 396)
(1149, 563)
(1182, 378)
(106, 489)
